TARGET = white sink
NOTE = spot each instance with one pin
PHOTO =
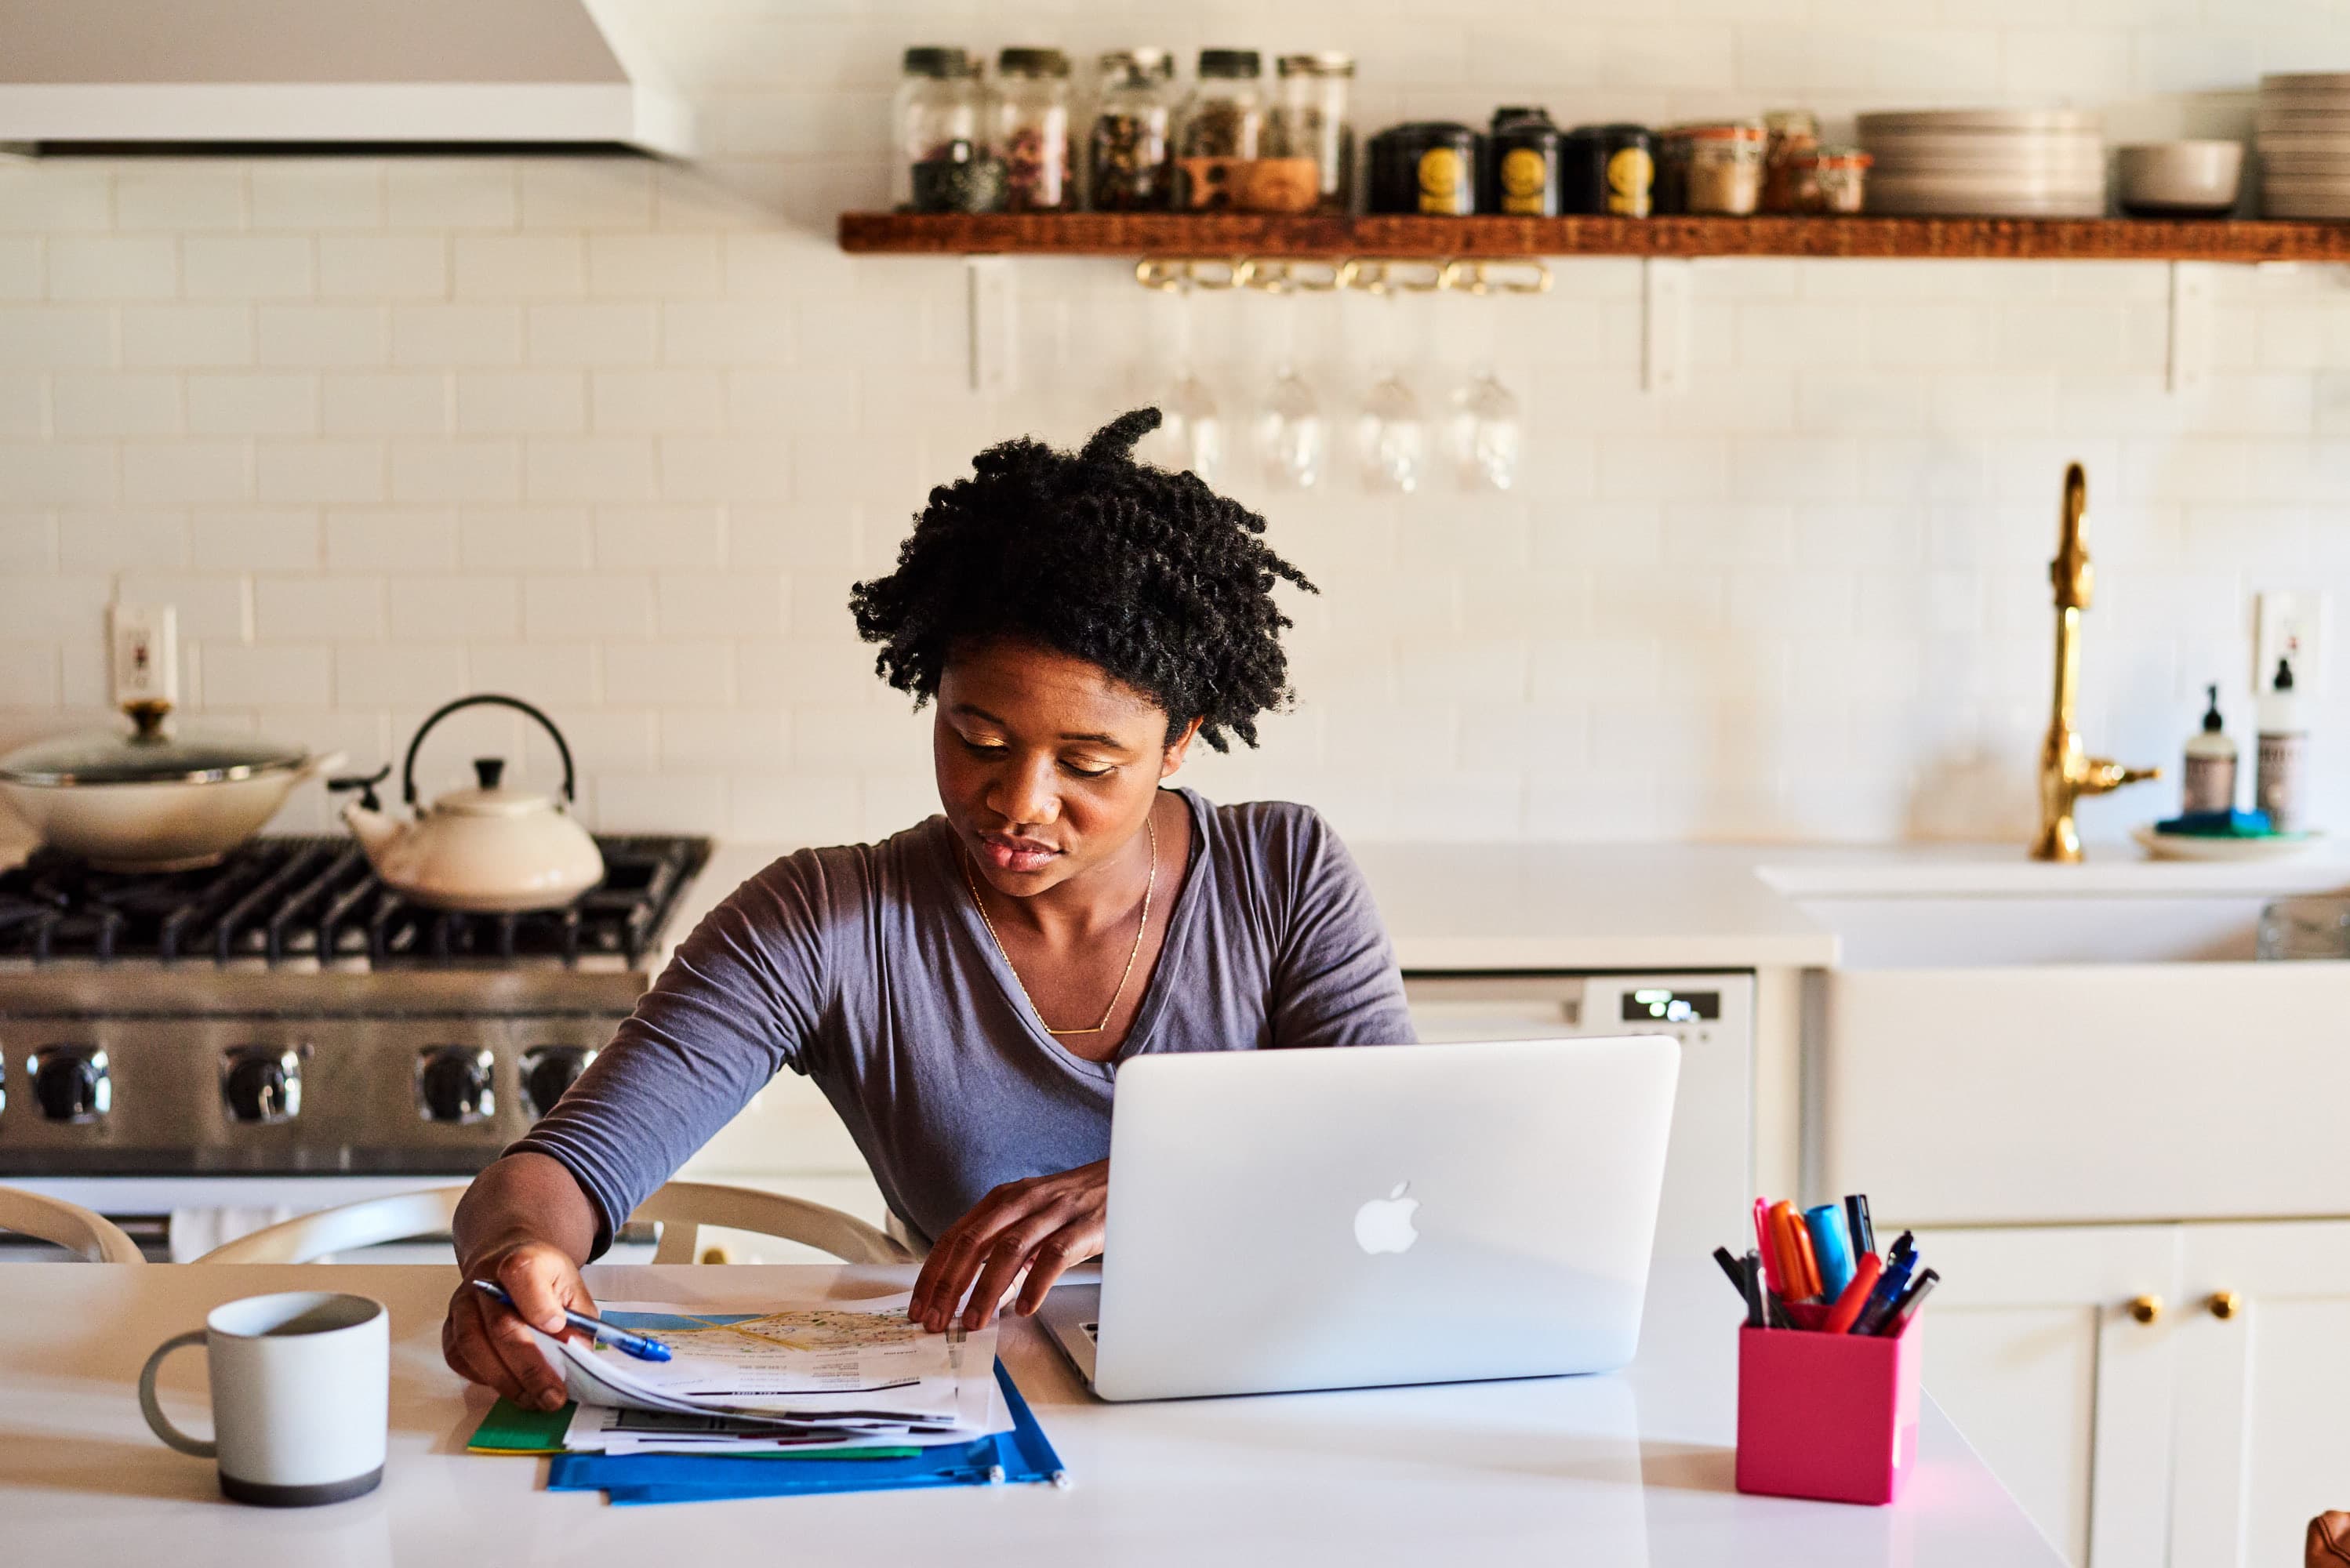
(2007, 1042)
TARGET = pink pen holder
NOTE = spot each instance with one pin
(1827, 1416)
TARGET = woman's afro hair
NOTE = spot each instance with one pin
(1150, 575)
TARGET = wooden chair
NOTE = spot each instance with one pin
(680, 1208)
(95, 1237)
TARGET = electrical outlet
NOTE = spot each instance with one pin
(2290, 623)
(146, 640)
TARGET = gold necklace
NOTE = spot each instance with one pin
(963, 860)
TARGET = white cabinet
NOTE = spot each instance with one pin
(2032, 1347)
(2263, 1429)
(2194, 1439)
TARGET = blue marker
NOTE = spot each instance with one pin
(620, 1339)
(1830, 1248)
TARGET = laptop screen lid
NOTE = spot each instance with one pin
(1291, 1220)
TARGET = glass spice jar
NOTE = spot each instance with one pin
(1791, 134)
(942, 164)
(1128, 158)
(1725, 172)
(1030, 122)
(1837, 179)
(1222, 131)
(1308, 122)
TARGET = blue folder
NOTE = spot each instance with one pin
(1022, 1454)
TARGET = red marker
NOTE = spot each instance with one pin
(1763, 1245)
(1856, 1294)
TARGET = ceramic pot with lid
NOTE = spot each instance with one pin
(153, 800)
(491, 849)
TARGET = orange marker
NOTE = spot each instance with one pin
(1856, 1294)
(1796, 1268)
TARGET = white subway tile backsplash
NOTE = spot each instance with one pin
(389, 538)
(456, 335)
(323, 335)
(34, 337)
(387, 402)
(620, 434)
(383, 266)
(439, 609)
(280, 677)
(82, 474)
(317, 609)
(474, 469)
(90, 403)
(122, 537)
(321, 470)
(247, 267)
(112, 267)
(236, 403)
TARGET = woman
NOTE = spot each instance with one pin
(961, 991)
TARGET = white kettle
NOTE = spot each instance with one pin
(492, 849)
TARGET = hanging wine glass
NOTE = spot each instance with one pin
(1486, 432)
(1190, 433)
(1291, 440)
(1390, 437)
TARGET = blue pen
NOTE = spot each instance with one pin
(1830, 1248)
(620, 1339)
(1889, 1290)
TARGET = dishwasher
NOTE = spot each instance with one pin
(1709, 1162)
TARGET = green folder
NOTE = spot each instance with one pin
(509, 1429)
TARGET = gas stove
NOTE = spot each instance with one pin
(284, 1016)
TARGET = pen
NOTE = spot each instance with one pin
(1855, 1295)
(1907, 1307)
(1752, 1269)
(1855, 1221)
(1903, 1245)
(1823, 1225)
(1733, 1267)
(1773, 1279)
(1889, 1286)
(620, 1339)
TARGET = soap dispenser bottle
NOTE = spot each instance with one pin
(2210, 773)
(2279, 787)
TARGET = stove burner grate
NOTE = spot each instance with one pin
(314, 900)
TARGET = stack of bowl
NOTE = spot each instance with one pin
(2304, 136)
(1987, 162)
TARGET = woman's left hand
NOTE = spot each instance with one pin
(1046, 1224)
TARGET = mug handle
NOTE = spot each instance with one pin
(202, 1448)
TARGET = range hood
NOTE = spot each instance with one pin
(179, 73)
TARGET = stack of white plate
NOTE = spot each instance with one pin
(2304, 137)
(1987, 162)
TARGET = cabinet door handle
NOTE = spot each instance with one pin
(2145, 1309)
(2225, 1305)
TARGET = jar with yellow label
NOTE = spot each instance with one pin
(1432, 167)
(1524, 179)
(1630, 170)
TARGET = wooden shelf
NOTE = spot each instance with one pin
(1235, 233)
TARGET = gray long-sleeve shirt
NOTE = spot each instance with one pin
(867, 968)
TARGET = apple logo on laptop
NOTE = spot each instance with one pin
(1384, 1224)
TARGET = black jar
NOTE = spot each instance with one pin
(1432, 167)
(1523, 164)
(1583, 170)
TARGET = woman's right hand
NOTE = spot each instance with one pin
(481, 1340)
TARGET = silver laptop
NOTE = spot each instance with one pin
(1288, 1219)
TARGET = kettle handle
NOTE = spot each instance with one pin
(408, 769)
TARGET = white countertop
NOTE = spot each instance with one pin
(1633, 1468)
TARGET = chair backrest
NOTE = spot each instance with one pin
(98, 1239)
(305, 1237)
(682, 1207)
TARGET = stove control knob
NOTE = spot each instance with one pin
(71, 1083)
(261, 1084)
(547, 1071)
(452, 1085)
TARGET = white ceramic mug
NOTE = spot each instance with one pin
(301, 1383)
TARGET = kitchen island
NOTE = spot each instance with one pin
(1630, 1468)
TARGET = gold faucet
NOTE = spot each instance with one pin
(2066, 770)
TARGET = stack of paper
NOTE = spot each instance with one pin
(891, 1404)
